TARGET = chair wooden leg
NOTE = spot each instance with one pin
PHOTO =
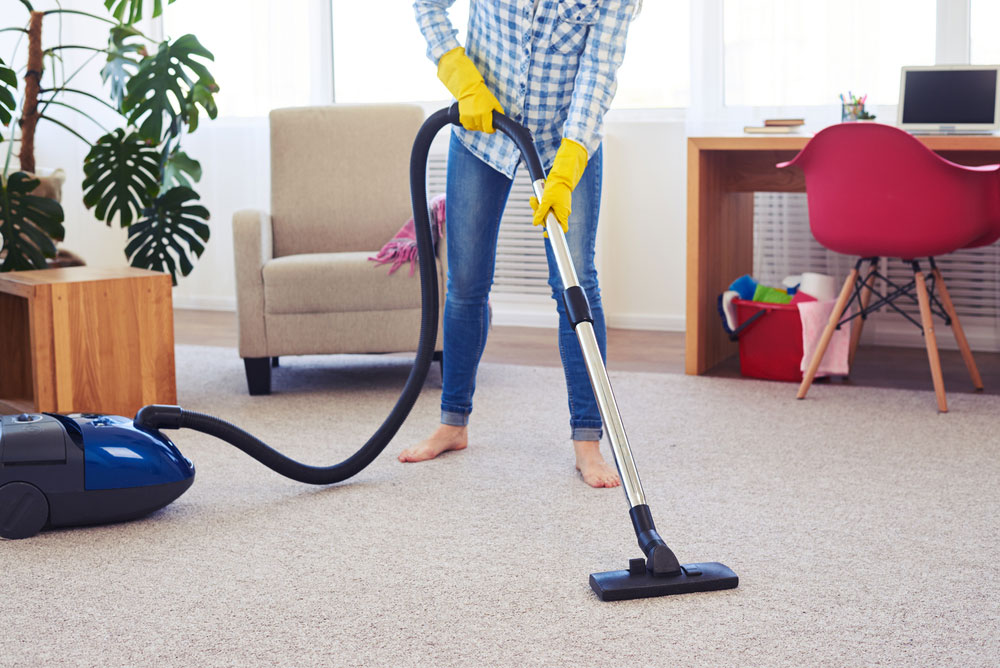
(866, 296)
(930, 340)
(956, 328)
(835, 315)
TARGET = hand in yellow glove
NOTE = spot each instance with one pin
(571, 160)
(475, 101)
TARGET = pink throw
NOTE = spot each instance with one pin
(402, 248)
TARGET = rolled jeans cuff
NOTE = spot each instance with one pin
(454, 419)
(587, 433)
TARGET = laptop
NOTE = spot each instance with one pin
(949, 99)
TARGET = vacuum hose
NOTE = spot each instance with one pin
(174, 417)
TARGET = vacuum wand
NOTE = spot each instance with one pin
(661, 573)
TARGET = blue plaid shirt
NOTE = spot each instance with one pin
(551, 63)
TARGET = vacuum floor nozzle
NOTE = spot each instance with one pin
(637, 582)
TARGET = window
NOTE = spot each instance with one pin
(985, 17)
(267, 54)
(789, 52)
(387, 63)
(656, 69)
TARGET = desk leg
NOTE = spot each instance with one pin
(719, 250)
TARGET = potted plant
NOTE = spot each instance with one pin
(137, 173)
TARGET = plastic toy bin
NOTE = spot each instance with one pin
(771, 345)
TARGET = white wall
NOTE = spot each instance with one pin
(642, 234)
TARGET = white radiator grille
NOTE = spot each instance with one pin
(783, 245)
(521, 268)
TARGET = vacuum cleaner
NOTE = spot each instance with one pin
(84, 468)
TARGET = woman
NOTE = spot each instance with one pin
(549, 65)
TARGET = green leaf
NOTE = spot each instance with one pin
(130, 11)
(201, 93)
(171, 233)
(28, 224)
(158, 92)
(8, 84)
(122, 175)
(122, 62)
(178, 164)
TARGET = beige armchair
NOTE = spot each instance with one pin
(339, 191)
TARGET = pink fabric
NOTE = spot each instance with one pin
(815, 315)
(402, 248)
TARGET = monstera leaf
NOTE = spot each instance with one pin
(172, 231)
(161, 87)
(122, 62)
(181, 169)
(8, 81)
(202, 93)
(130, 11)
(28, 224)
(122, 173)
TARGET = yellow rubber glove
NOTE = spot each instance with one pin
(475, 101)
(567, 169)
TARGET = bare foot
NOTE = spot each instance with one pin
(445, 437)
(591, 465)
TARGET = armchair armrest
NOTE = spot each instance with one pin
(253, 247)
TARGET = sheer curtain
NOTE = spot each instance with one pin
(267, 55)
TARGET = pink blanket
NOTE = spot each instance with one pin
(402, 248)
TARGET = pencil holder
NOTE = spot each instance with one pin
(851, 112)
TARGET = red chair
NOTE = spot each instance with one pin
(876, 191)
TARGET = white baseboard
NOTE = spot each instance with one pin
(515, 311)
(508, 311)
(205, 303)
(658, 323)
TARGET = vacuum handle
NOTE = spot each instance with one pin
(518, 133)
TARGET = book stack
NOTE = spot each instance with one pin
(776, 126)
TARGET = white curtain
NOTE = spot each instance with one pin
(267, 55)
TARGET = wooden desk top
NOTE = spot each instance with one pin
(23, 283)
(795, 142)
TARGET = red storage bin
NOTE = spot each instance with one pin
(771, 346)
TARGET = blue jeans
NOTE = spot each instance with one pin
(476, 197)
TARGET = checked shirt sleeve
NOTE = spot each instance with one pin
(432, 18)
(596, 81)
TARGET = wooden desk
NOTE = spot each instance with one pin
(723, 174)
(86, 339)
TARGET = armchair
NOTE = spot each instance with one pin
(339, 191)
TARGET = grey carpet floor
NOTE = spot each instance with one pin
(862, 524)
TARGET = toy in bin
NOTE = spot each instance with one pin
(768, 327)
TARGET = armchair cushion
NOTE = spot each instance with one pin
(335, 282)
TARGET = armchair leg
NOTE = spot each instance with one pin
(439, 358)
(956, 328)
(866, 296)
(835, 315)
(274, 362)
(930, 340)
(258, 374)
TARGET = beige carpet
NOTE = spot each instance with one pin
(862, 524)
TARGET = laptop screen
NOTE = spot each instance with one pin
(949, 97)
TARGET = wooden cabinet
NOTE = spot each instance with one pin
(86, 339)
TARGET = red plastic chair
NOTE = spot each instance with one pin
(876, 191)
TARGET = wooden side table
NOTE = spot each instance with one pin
(86, 339)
